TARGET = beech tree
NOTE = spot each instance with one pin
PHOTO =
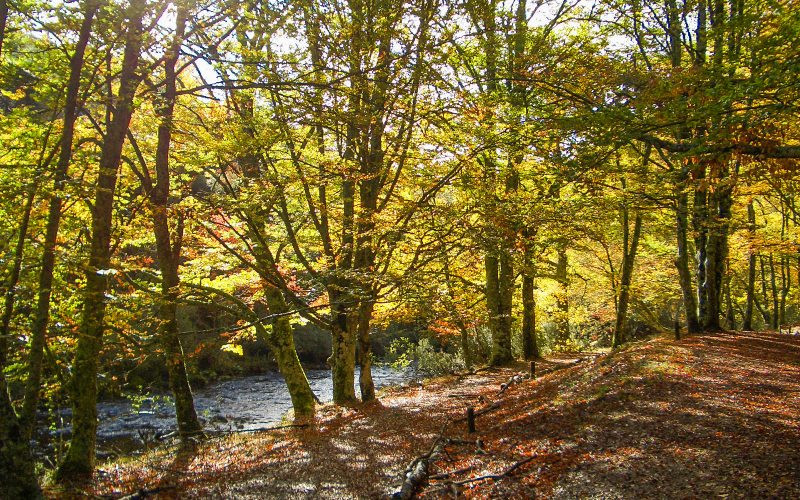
(79, 460)
(493, 180)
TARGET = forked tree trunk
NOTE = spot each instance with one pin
(717, 248)
(79, 460)
(41, 317)
(628, 261)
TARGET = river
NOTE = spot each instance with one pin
(245, 403)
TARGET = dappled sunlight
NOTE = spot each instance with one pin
(658, 419)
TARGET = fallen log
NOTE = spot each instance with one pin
(417, 472)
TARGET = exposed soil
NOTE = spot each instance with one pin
(714, 415)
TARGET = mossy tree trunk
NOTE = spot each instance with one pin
(365, 382)
(79, 460)
(630, 245)
(281, 341)
(41, 316)
(343, 348)
(16, 464)
(168, 248)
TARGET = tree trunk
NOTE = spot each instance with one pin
(501, 343)
(765, 309)
(372, 168)
(562, 299)
(281, 341)
(343, 347)
(41, 317)
(3, 23)
(717, 249)
(465, 349)
(530, 347)
(700, 227)
(79, 460)
(365, 382)
(16, 464)
(492, 269)
(730, 313)
(168, 250)
(462, 327)
(682, 259)
(340, 292)
(773, 283)
(747, 321)
(786, 285)
(627, 275)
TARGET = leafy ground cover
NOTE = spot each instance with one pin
(713, 415)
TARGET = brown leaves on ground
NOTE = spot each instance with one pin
(713, 415)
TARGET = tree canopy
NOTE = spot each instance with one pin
(186, 181)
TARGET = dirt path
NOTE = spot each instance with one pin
(710, 416)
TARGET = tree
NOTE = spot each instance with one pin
(168, 247)
(79, 461)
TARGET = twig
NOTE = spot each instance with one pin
(495, 477)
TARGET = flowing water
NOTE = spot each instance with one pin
(245, 403)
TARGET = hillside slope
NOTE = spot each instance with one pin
(710, 416)
(714, 415)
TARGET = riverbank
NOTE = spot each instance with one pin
(236, 404)
(713, 415)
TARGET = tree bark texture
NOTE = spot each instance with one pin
(80, 457)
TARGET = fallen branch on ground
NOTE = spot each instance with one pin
(494, 477)
(417, 470)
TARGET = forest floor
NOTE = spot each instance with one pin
(712, 415)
